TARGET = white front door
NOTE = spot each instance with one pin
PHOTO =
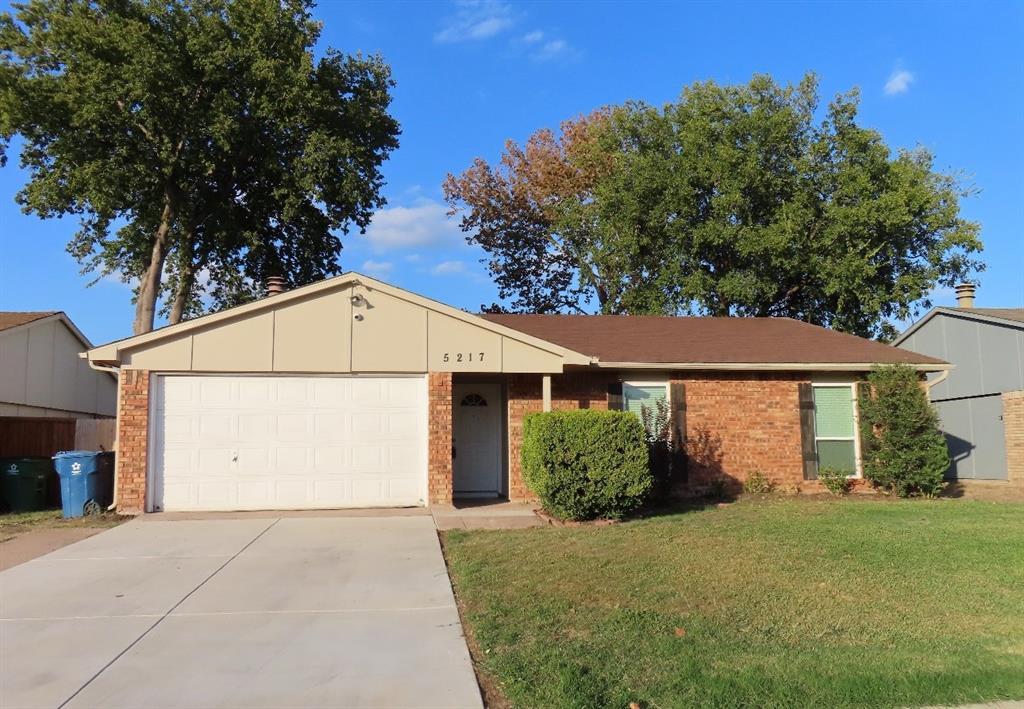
(477, 439)
(236, 442)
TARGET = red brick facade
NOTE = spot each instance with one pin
(132, 441)
(1013, 426)
(439, 443)
(742, 423)
(736, 424)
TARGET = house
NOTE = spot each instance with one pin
(981, 401)
(41, 373)
(353, 393)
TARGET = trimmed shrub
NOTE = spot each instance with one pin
(835, 481)
(586, 464)
(904, 451)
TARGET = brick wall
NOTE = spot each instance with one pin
(439, 444)
(132, 439)
(735, 423)
(1013, 425)
(738, 424)
(568, 391)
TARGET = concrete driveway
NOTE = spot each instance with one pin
(272, 612)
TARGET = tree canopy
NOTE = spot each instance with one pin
(202, 144)
(734, 200)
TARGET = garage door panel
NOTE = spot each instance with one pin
(241, 442)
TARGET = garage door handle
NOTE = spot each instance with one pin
(234, 456)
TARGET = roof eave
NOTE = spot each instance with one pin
(772, 366)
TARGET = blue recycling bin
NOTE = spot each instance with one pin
(86, 481)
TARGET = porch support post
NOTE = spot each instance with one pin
(545, 388)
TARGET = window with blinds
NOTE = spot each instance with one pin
(835, 431)
(636, 396)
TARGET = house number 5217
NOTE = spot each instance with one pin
(463, 356)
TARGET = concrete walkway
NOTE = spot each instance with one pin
(486, 515)
(259, 612)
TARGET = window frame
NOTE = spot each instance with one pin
(855, 403)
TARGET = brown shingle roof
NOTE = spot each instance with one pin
(1015, 314)
(11, 319)
(698, 340)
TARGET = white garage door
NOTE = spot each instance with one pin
(287, 442)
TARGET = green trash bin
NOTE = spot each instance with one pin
(24, 482)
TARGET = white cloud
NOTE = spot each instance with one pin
(551, 50)
(460, 269)
(476, 20)
(425, 224)
(533, 37)
(377, 268)
(899, 82)
(449, 268)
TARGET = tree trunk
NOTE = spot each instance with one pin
(186, 278)
(149, 287)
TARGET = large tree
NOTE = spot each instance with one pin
(202, 144)
(734, 200)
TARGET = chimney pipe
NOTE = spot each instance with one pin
(275, 285)
(965, 295)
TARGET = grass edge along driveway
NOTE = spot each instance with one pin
(766, 603)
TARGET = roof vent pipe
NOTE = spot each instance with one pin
(965, 295)
(275, 285)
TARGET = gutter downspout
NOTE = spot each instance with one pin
(116, 371)
(943, 376)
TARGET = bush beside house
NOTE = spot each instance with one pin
(587, 464)
(904, 452)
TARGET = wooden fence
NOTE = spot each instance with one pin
(42, 437)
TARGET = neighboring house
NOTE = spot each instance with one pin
(353, 393)
(42, 374)
(981, 401)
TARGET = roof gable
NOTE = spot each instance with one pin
(1013, 317)
(347, 323)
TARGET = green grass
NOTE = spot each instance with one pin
(778, 603)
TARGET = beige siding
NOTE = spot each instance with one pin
(391, 337)
(246, 345)
(523, 358)
(323, 331)
(13, 365)
(174, 354)
(40, 370)
(314, 335)
(456, 346)
(41, 374)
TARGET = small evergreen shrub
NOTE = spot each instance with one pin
(586, 464)
(904, 451)
(835, 481)
(757, 483)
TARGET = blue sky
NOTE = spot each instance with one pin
(471, 75)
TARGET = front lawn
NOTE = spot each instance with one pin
(787, 602)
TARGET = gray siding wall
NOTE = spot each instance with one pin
(989, 360)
